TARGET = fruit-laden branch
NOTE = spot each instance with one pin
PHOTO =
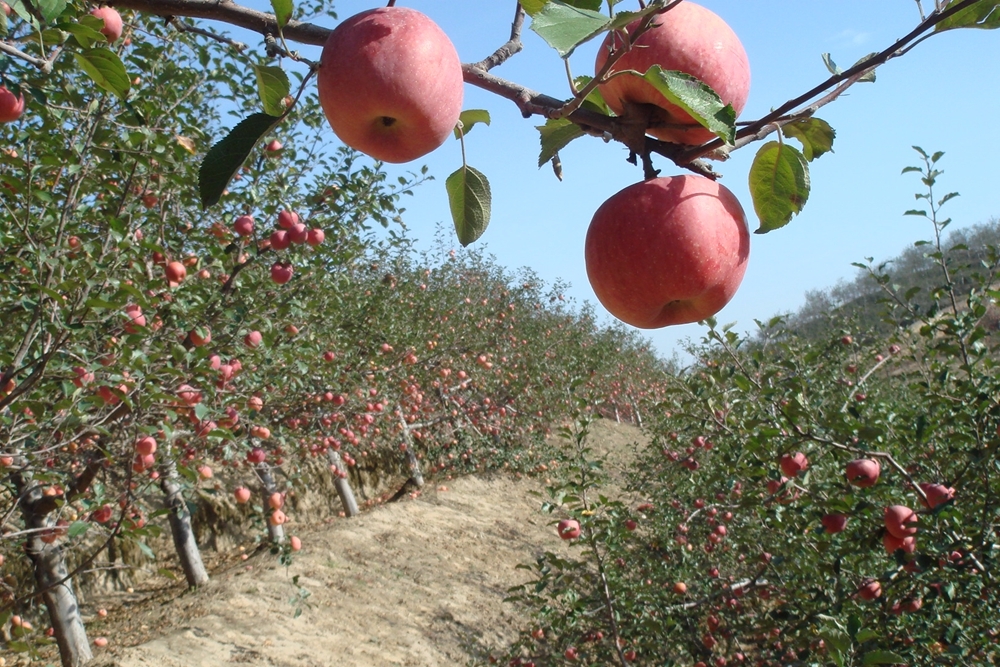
(533, 103)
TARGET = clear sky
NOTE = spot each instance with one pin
(943, 95)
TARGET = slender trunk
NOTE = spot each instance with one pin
(180, 528)
(618, 417)
(277, 533)
(50, 567)
(638, 417)
(341, 483)
(415, 473)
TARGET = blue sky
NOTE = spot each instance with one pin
(943, 95)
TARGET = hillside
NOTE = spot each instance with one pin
(419, 582)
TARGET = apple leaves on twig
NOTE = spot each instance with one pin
(696, 98)
(282, 11)
(471, 201)
(228, 155)
(273, 87)
(984, 14)
(106, 69)
(869, 77)
(555, 135)
(468, 119)
(779, 185)
(815, 134)
(564, 27)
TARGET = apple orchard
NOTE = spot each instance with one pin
(209, 315)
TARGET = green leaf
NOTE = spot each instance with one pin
(779, 185)
(882, 658)
(594, 100)
(555, 134)
(835, 70)
(273, 87)
(87, 32)
(78, 528)
(144, 548)
(696, 98)
(622, 19)
(50, 9)
(282, 11)
(565, 27)
(866, 634)
(229, 155)
(815, 134)
(984, 14)
(532, 7)
(468, 119)
(167, 573)
(106, 69)
(23, 13)
(470, 199)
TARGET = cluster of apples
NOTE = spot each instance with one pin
(12, 106)
(665, 251)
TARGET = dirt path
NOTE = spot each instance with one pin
(419, 582)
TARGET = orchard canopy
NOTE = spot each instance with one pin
(212, 309)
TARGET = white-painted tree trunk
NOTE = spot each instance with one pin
(180, 528)
(277, 533)
(341, 483)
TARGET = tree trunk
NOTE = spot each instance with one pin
(50, 567)
(415, 473)
(341, 484)
(638, 417)
(277, 533)
(180, 528)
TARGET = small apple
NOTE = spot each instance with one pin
(287, 218)
(242, 495)
(100, 642)
(112, 29)
(11, 105)
(200, 336)
(298, 233)
(834, 523)
(279, 239)
(687, 38)
(176, 272)
(273, 146)
(571, 653)
(277, 518)
(870, 589)
(680, 588)
(892, 543)
(276, 501)
(244, 225)
(390, 83)
(102, 515)
(145, 445)
(282, 272)
(253, 339)
(793, 464)
(863, 473)
(295, 543)
(937, 494)
(667, 251)
(568, 529)
(315, 237)
(900, 520)
(256, 455)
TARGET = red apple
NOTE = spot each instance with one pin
(667, 251)
(390, 83)
(276, 501)
(176, 272)
(793, 464)
(295, 543)
(243, 225)
(892, 543)
(205, 472)
(256, 455)
(281, 272)
(277, 518)
(145, 445)
(834, 523)
(287, 218)
(680, 588)
(273, 146)
(688, 38)
(242, 495)
(280, 239)
(937, 494)
(900, 520)
(870, 589)
(253, 339)
(11, 105)
(863, 472)
(298, 233)
(102, 515)
(315, 237)
(112, 22)
(568, 529)
(200, 336)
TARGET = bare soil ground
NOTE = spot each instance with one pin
(419, 582)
